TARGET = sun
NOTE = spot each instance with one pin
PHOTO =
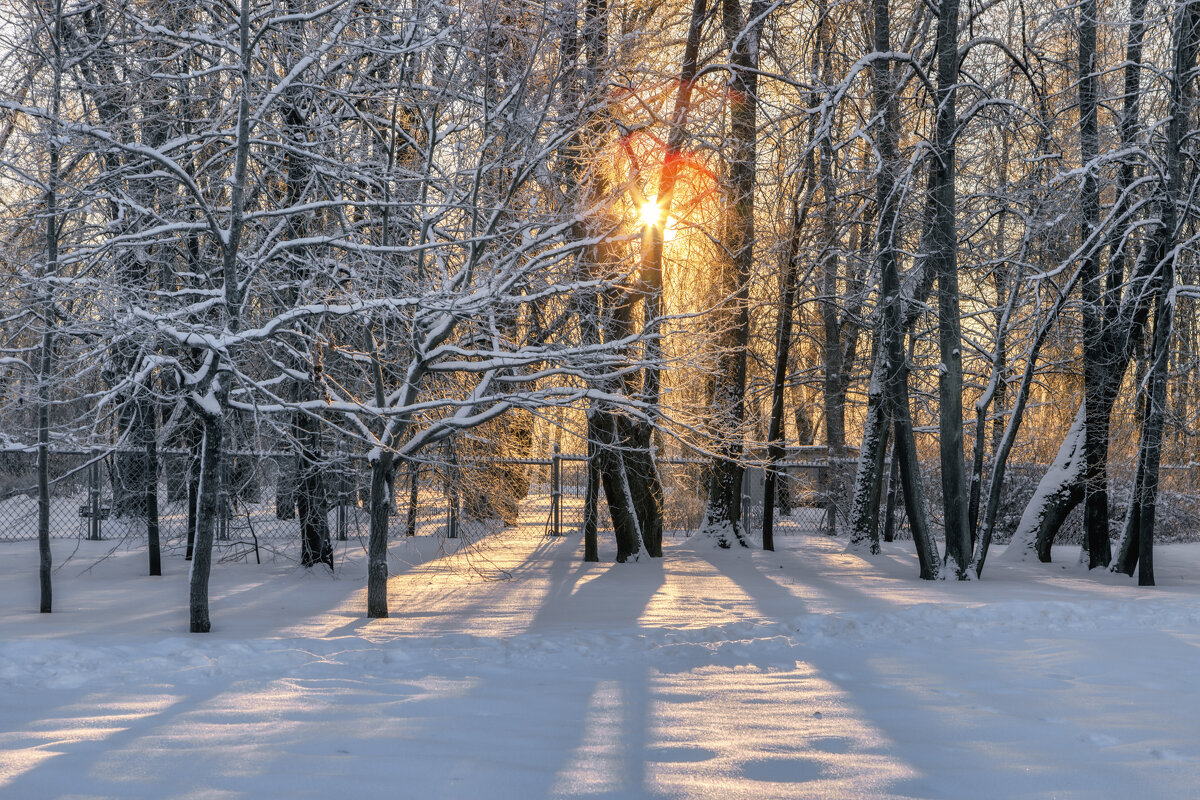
(652, 217)
(651, 213)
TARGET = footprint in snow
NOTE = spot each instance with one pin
(784, 770)
(1167, 755)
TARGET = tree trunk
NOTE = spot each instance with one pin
(775, 438)
(196, 434)
(642, 473)
(1124, 317)
(896, 376)
(46, 355)
(1005, 444)
(312, 501)
(651, 505)
(893, 486)
(955, 498)
(1095, 442)
(206, 517)
(724, 510)
(1187, 33)
(148, 427)
(591, 510)
(1062, 488)
(377, 538)
(1130, 549)
(864, 506)
(414, 497)
(622, 505)
(837, 343)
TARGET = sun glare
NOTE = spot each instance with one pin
(669, 230)
(651, 214)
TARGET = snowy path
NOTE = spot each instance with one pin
(515, 671)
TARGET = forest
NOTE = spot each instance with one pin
(950, 248)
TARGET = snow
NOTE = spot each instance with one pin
(510, 669)
(1066, 470)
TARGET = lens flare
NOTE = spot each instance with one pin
(651, 213)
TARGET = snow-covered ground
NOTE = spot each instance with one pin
(513, 670)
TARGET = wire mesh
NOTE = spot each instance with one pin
(103, 494)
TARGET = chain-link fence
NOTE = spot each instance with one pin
(105, 495)
(802, 494)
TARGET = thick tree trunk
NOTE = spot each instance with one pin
(1187, 41)
(377, 537)
(955, 499)
(621, 503)
(642, 473)
(1124, 317)
(650, 508)
(891, 318)
(312, 501)
(834, 384)
(1095, 443)
(868, 483)
(591, 509)
(724, 510)
(206, 517)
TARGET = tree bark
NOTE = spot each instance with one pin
(591, 510)
(892, 323)
(206, 517)
(377, 538)
(1062, 487)
(46, 356)
(893, 486)
(1187, 34)
(1095, 444)
(724, 510)
(873, 450)
(775, 438)
(148, 427)
(312, 501)
(955, 499)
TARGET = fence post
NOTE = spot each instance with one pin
(414, 474)
(94, 496)
(828, 487)
(223, 498)
(452, 516)
(556, 492)
(745, 501)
